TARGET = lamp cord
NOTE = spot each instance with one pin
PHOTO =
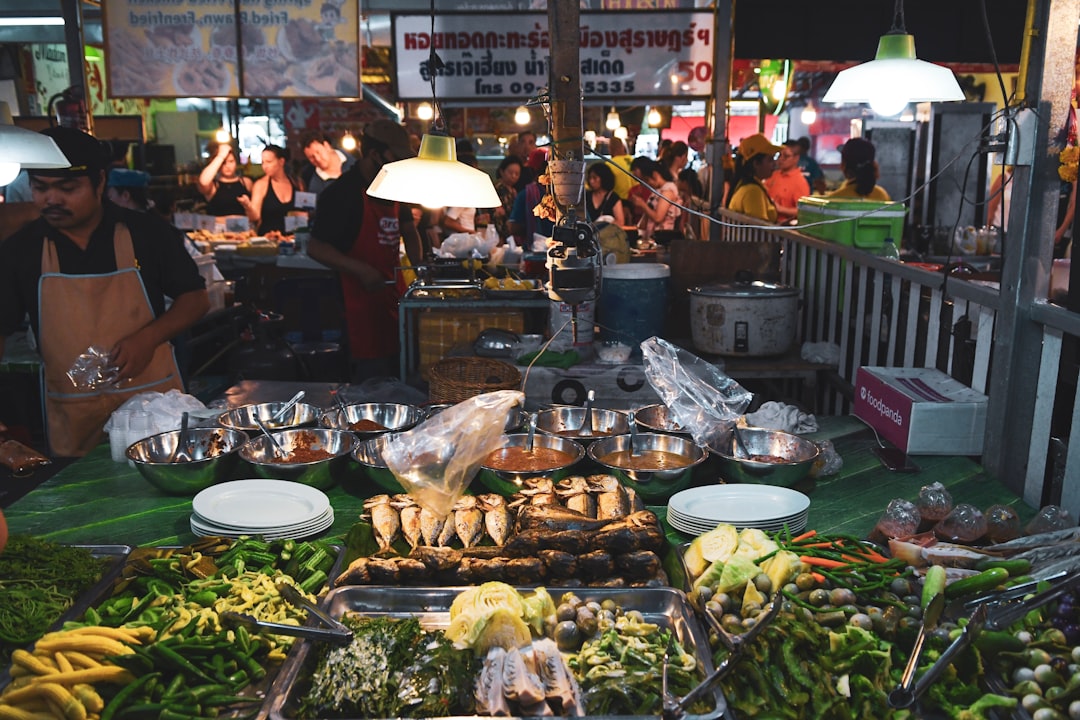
(436, 64)
(898, 26)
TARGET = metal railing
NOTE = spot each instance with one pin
(880, 312)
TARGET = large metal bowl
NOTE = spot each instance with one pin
(799, 455)
(368, 455)
(395, 417)
(213, 454)
(508, 482)
(241, 418)
(657, 418)
(567, 421)
(652, 485)
(321, 474)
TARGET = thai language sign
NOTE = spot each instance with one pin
(495, 57)
(188, 48)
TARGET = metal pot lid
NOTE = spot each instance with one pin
(756, 288)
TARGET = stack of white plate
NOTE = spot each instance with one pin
(270, 508)
(766, 507)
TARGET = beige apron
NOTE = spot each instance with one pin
(77, 311)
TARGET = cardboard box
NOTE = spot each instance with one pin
(856, 228)
(922, 411)
(440, 330)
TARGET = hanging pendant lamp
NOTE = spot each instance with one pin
(25, 149)
(895, 77)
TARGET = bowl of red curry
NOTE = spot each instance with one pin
(505, 469)
(366, 420)
(313, 456)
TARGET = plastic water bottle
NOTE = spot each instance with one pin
(889, 251)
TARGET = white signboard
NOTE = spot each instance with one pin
(505, 56)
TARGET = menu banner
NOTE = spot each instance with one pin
(189, 48)
(507, 56)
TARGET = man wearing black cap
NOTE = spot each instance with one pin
(359, 236)
(91, 274)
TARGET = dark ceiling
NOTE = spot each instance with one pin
(946, 31)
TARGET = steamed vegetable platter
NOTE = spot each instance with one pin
(155, 643)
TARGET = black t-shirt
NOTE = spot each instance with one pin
(164, 264)
(339, 209)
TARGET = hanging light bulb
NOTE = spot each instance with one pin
(222, 136)
(620, 132)
(522, 116)
(348, 142)
(779, 89)
(435, 178)
(655, 118)
(424, 112)
(809, 113)
(613, 120)
(895, 77)
(8, 172)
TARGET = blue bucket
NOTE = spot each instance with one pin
(633, 302)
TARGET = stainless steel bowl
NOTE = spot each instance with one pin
(395, 417)
(507, 482)
(652, 485)
(567, 421)
(657, 418)
(799, 455)
(321, 474)
(368, 455)
(213, 454)
(240, 418)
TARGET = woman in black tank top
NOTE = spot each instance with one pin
(273, 195)
(221, 185)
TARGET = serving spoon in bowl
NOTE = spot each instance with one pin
(278, 450)
(283, 411)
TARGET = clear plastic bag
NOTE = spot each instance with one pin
(436, 460)
(93, 370)
(698, 395)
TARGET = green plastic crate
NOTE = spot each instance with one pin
(858, 229)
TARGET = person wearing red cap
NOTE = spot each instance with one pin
(91, 274)
(359, 236)
(755, 161)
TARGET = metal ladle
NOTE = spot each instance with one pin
(532, 433)
(586, 429)
(278, 450)
(634, 451)
(287, 407)
(181, 441)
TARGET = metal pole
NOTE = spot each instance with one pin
(73, 41)
(716, 121)
(567, 133)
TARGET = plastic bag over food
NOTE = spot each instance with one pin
(701, 398)
(93, 370)
(436, 460)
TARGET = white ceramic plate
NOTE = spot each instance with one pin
(738, 504)
(233, 529)
(795, 526)
(260, 504)
(209, 530)
(709, 524)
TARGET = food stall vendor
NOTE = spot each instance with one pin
(91, 274)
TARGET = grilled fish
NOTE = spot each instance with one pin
(431, 527)
(384, 520)
(497, 517)
(468, 521)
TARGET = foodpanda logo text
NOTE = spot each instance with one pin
(879, 405)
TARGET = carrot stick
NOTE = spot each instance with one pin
(870, 554)
(823, 562)
(818, 578)
(805, 536)
(807, 546)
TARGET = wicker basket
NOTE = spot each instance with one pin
(454, 379)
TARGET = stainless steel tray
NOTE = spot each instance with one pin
(117, 556)
(666, 607)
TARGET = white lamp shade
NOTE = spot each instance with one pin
(435, 179)
(894, 78)
(30, 149)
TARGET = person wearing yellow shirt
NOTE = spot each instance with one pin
(860, 172)
(754, 161)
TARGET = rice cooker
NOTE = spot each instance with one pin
(749, 319)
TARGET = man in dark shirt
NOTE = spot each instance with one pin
(91, 274)
(359, 236)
